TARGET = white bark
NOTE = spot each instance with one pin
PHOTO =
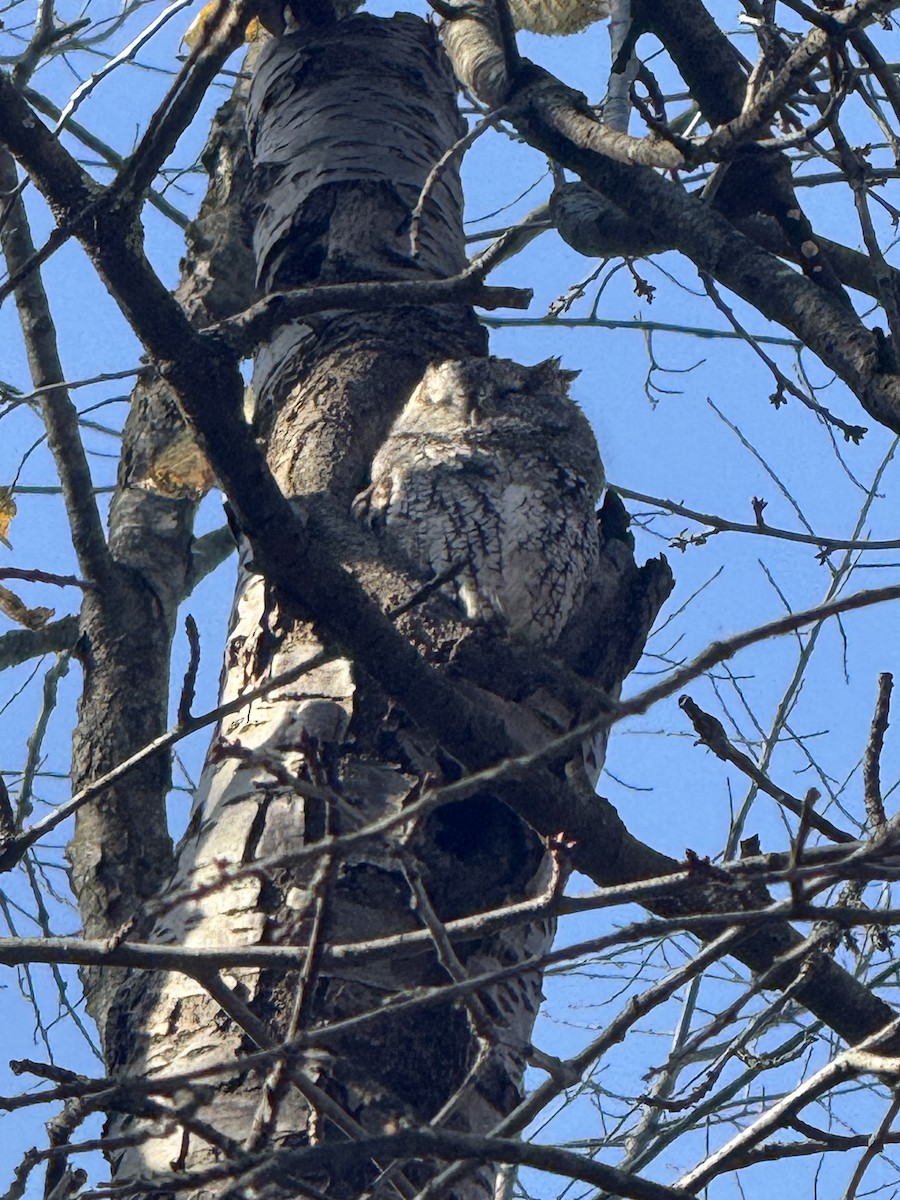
(332, 752)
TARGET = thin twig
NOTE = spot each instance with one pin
(693, 331)
(855, 171)
(711, 734)
(573, 1069)
(719, 524)
(873, 1149)
(431, 179)
(278, 1078)
(884, 72)
(190, 675)
(852, 433)
(84, 89)
(34, 575)
(863, 1059)
(872, 760)
(783, 83)
(49, 692)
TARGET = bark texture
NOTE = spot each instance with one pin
(340, 198)
(121, 853)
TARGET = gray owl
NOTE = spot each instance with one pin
(490, 475)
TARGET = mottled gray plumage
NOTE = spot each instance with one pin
(491, 472)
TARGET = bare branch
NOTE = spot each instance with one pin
(246, 330)
(872, 761)
(20, 645)
(875, 1146)
(60, 416)
(864, 1059)
(718, 524)
(711, 734)
(787, 80)
(221, 37)
(852, 433)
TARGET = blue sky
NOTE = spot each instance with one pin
(679, 445)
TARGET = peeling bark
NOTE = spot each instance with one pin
(121, 852)
(333, 751)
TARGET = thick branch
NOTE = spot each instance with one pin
(249, 328)
(555, 120)
(20, 645)
(790, 77)
(596, 227)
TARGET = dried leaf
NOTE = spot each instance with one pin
(181, 471)
(197, 29)
(18, 611)
(7, 512)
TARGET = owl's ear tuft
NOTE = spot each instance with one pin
(550, 372)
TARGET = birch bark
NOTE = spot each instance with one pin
(345, 128)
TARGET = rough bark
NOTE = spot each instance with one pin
(121, 852)
(332, 751)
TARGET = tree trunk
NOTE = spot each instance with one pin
(345, 128)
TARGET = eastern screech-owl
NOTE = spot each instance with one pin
(490, 474)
